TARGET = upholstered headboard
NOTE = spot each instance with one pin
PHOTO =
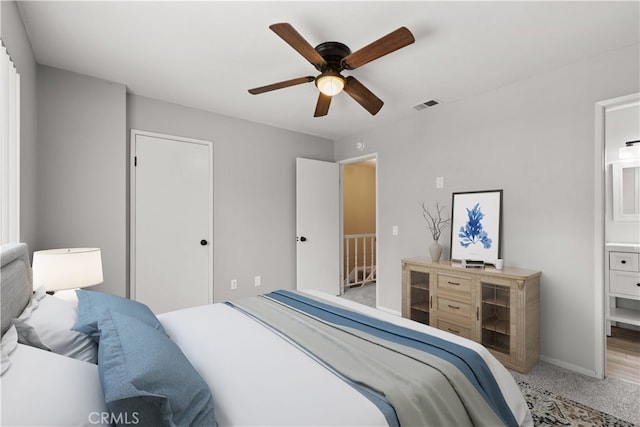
(16, 282)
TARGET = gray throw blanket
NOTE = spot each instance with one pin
(423, 389)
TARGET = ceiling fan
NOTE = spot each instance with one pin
(331, 58)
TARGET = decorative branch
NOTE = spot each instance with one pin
(435, 221)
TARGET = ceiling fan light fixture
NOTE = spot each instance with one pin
(330, 83)
(330, 58)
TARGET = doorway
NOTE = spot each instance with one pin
(617, 121)
(359, 254)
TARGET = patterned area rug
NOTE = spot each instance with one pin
(549, 409)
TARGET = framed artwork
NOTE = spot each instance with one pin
(476, 226)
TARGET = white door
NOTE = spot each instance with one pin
(171, 221)
(318, 225)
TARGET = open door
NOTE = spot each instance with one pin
(318, 225)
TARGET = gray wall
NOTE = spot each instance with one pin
(15, 40)
(82, 171)
(535, 140)
(83, 187)
(79, 175)
(254, 191)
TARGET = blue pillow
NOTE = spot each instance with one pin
(91, 304)
(147, 379)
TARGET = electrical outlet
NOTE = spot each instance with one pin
(257, 281)
(234, 284)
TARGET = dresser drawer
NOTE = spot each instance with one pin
(446, 305)
(624, 261)
(625, 283)
(454, 329)
(457, 284)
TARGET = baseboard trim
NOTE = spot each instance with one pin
(570, 366)
(388, 310)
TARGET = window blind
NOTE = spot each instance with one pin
(9, 149)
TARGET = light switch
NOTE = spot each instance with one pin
(394, 230)
(440, 182)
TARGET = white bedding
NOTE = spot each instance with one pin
(257, 378)
(42, 388)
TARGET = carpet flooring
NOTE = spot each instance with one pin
(612, 396)
(365, 295)
(549, 409)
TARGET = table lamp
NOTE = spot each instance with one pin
(58, 269)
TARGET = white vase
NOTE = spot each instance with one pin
(435, 251)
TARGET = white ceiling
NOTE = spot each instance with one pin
(207, 54)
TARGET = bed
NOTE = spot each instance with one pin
(280, 359)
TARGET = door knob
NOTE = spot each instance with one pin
(204, 242)
(303, 239)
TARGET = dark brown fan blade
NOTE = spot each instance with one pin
(289, 34)
(322, 107)
(391, 42)
(362, 95)
(281, 85)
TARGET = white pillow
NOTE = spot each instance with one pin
(46, 389)
(68, 295)
(7, 346)
(46, 323)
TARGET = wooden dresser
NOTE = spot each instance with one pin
(498, 308)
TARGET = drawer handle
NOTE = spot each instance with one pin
(624, 261)
(453, 306)
(453, 330)
(637, 284)
(454, 283)
(431, 301)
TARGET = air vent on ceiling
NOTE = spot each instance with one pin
(426, 104)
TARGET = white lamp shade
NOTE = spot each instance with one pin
(58, 269)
